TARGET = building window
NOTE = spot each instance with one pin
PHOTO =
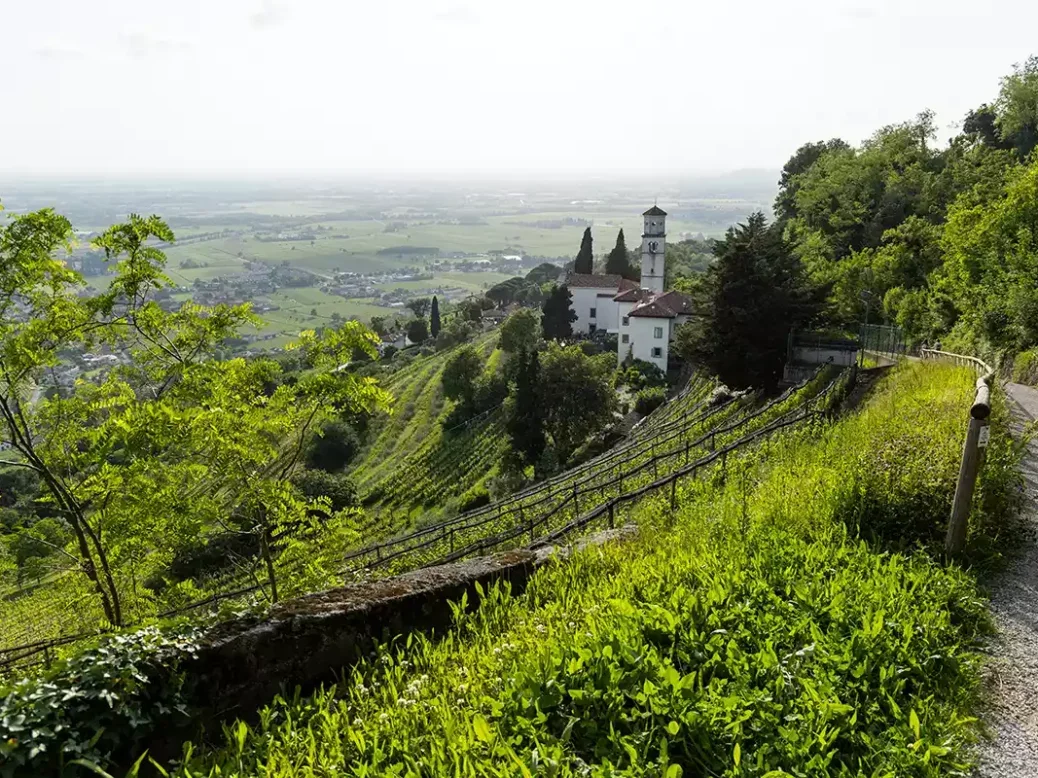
(626, 322)
(657, 353)
(657, 333)
(625, 338)
(591, 329)
(593, 312)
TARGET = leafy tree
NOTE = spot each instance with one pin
(172, 445)
(576, 396)
(520, 332)
(332, 447)
(417, 331)
(798, 164)
(458, 331)
(525, 422)
(618, 261)
(752, 296)
(460, 375)
(544, 273)
(419, 306)
(557, 315)
(378, 325)
(434, 317)
(1017, 107)
(585, 261)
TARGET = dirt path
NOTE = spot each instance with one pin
(1012, 676)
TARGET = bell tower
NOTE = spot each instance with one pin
(654, 246)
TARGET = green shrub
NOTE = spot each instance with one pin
(1025, 367)
(648, 400)
(475, 498)
(101, 705)
(333, 447)
(337, 487)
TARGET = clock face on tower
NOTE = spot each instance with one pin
(654, 247)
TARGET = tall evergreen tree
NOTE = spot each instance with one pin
(525, 423)
(557, 314)
(618, 262)
(585, 262)
(749, 300)
(434, 317)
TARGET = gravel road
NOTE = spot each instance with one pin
(1012, 675)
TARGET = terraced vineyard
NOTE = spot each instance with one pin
(686, 432)
(412, 463)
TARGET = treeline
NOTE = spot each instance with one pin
(939, 241)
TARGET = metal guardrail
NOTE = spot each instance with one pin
(973, 448)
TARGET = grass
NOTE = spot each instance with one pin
(764, 629)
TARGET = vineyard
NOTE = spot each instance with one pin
(682, 437)
(746, 631)
(412, 464)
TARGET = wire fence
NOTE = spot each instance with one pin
(537, 515)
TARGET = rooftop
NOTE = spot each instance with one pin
(669, 305)
(655, 211)
(599, 281)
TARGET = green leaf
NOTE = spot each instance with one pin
(913, 722)
(482, 729)
(737, 754)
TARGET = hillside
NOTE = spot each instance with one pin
(411, 462)
(694, 647)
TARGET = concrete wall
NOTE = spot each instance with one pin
(809, 355)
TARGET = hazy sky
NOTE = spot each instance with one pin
(361, 86)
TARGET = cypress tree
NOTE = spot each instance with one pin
(525, 424)
(434, 317)
(585, 262)
(617, 262)
(557, 314)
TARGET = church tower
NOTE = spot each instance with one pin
(654, 246)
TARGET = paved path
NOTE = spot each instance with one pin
(1012, 675)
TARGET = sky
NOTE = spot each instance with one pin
(526, 87)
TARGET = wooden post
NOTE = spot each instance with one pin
(576, 504)
(612, 522)
(686, 451)
(673, 495)
(452, 540)
(958, 522)
(655, 463)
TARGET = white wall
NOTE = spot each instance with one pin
(602, 301)
(643, 340)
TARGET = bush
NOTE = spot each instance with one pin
(474, 498)
(648, 400)
(333, 448)
(1025, 367)
(389, 352)
(337, 487)
(102, 705)
(639, 374)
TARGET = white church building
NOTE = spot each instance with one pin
(643, 316)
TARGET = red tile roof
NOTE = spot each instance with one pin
(664, 306)
(595, 281)
(634, 295)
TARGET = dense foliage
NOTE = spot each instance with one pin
(940, 241)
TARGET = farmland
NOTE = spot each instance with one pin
(750, 632)
(381, 232)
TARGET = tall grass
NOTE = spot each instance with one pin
(777, 624)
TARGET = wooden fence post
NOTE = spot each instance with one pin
(955, 540)
(612, 522)
(576, 504)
